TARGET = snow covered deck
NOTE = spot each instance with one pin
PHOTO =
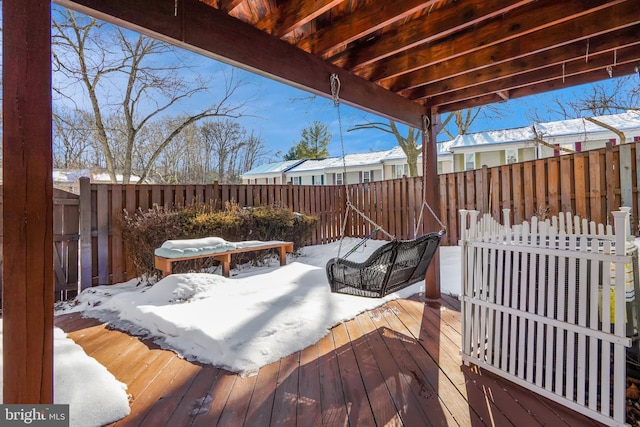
(398, 364)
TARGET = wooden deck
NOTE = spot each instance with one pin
(396, 365)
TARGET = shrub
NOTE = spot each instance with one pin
(144, 231)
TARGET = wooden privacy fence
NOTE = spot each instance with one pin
(588, 184)
(390, 204)
(66, 214)
(552, 306)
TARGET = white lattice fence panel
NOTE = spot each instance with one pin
(543, 305)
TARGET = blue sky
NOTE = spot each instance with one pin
(278, 113)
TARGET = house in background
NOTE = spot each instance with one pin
(582, 135)
(269, 173)
(396, 166)
(465, 152)
(501, 147)
(69, 179)
(310, 171)
(492, 148)
(360, 168)
(356, 168)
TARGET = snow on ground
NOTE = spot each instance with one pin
(255, 317)
(94, 396)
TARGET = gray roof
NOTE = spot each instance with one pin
(276, 167)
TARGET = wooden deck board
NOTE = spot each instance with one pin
(264, 392)
(212, 409)
(447, 394)
(196, 395)
(235, 409)
(358, 407)
(334, 410)
(308, 406)
(286, 399)
(380, 400)
(173, 395)
(396, 365)
(397, 381)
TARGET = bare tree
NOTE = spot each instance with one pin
(130, 81)
(539, 138)
(598, 99)
(462, 121)
(221, 140)
(409, 143)
(455, 123)
(72, 142)
(253, 152)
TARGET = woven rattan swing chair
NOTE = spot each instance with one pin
(391, 267)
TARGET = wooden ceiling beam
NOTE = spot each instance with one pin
(225, 5)
(597, 61)
(548, 86)
(215, 34)
(441, 83)
(294, 15)
(582, 28)
(580, 79)
(426, 29)
(366, 20)
(397, 71)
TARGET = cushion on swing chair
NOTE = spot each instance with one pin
(391, 267)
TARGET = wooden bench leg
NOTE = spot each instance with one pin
(283, 255)
(164, 265)
(225, 259)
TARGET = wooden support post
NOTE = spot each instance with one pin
(430, 177)
(28, 287)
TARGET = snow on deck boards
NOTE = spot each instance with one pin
(398, 364)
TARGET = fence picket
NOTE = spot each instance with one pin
(540, 305)
(581, 299)
(570, 314)
(552, 302)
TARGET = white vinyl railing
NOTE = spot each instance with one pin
(544, 304)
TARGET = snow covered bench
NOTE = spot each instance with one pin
(213, 247)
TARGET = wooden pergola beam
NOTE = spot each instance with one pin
(294, 15)
(27, 279)
(444, 22)
(210, 32)
(625, 56)
(603, 44)
(547, 86)
(523, 32)
(368, 19)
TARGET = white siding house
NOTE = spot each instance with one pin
(494, 148)
(359, 168)
(310, 172)
(465, 152)
(270, 173)
(583, 135)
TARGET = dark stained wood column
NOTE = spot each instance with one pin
(27, 286)
(430, 174)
